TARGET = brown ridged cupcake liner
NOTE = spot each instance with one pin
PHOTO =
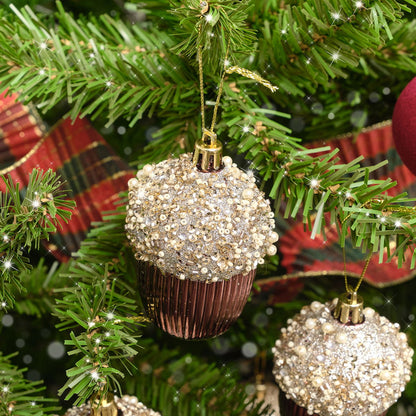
(192, 309)
(289, 408)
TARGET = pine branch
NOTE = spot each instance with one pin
(107, 68)
(39, 283)
(21, 397)
(96, 65)
(218, 27)
(24, 222)
(312, 182)
(313, 42)
(101, 308)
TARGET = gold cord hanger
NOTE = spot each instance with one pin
(349, 309)
(208, 150)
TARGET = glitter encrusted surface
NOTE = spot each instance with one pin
(129, 405)
(333, 369)
(199, 226)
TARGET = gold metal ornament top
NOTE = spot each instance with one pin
(349, 309)
(107, 406)
(208, 152)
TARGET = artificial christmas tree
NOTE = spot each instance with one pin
(330, 67)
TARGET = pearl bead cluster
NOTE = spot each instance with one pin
(333, 369)
(129, 405)
(196, 225)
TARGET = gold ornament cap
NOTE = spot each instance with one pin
(349, 309)
(107, 406)
(208, 152)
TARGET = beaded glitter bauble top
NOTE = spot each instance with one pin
(334, 369)
(197, 225)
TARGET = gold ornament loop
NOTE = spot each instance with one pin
(103, 406)
(208, 152)
(349, 309)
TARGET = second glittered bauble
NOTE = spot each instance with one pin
(404, 126)
(327, 368)
(199, 237)
(126, 406)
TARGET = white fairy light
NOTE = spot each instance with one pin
(36, 203)
(6, 238)
(110, 316)
(308, 61)
(92, 56)
(90, 324)
(383, 219)
(359, 4)
(43, 45)
(33, 403)
(283, 31)
(314, 183)
(335, 56)
(108, 84)
(227, 62)
(397, 224)
(209, 17)
(336, 15)
(95, 375)
(348, 195)
(246, 129)
(5, 389)
(107, 334)
(98, 340)
(3, 304)
(42, 72)
(7, 264)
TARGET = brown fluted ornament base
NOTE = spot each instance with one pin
(290, 408)
(192, 309)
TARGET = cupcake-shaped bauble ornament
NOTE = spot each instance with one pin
(199, 227)
(326, 367)
(125, 406)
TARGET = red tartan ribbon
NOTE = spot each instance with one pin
(301, 254)
(93, 173)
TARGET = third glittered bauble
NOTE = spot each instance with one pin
(199, 237)
(327, 368)
(404, 126)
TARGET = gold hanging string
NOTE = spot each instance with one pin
(363, 273)
(201, 84)
(220, 89)
(230, 70)
(252, 75)
(260, 371)
(349, 288)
